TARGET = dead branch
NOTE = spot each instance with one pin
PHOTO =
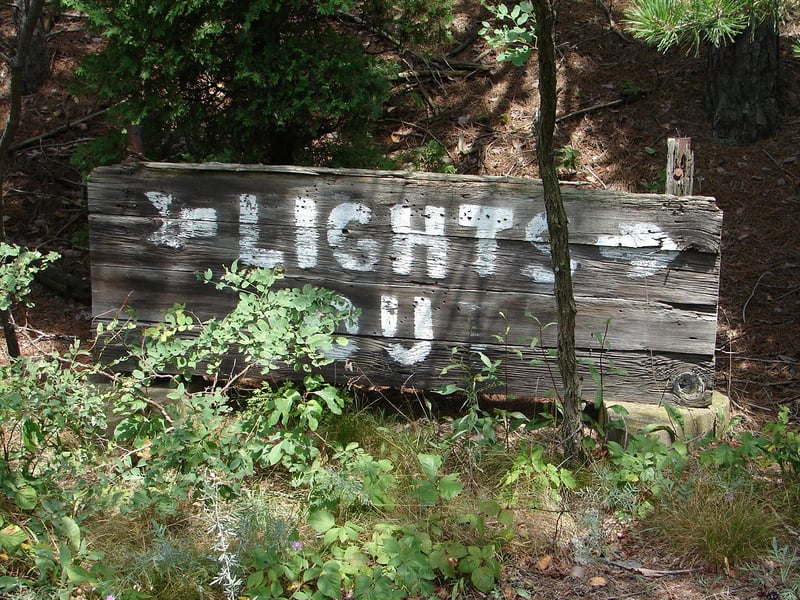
(632, 565)
(453, 70)
(613, 23)
(589, 109)
(780, 166)
(53, 132)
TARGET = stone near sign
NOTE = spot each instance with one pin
(433, 262)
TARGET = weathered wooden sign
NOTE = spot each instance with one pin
(433, 262)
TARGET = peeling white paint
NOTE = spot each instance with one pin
(539, 274)
(488, 221)
(369, 251)
(469, 306)
(537, 228)
(406, 239)
(249, 232)
(640, 235)
(356, 251)
(190, 222)
(306, 234)
(410, 356)
(423, 329)
(536, 233)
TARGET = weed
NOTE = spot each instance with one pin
(369, 506)
(567, 158)
(630, 91)
(647, 467)
(514, 35)
(658, 185)
(431, 157)
(780, 571)
(782, 443)
(168, 568)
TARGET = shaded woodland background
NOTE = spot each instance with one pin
(475, 119)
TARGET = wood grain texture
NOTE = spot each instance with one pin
(472, 251)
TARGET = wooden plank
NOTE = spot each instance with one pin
(632, 325)
(664, 276)
(596, 216)
(432, 260)
(646, 377)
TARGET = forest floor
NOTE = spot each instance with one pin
(483, 120)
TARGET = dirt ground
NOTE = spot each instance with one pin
(483, 117)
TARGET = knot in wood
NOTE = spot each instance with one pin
(689, 386)
(677, 174)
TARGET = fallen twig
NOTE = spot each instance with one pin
(53, 132)
(752, 293)
(632, 565)
(613, 24)
(780, 166)
(589, 109)
(458, 70)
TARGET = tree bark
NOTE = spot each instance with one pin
(9, 333)
(37, 62)
(17, 72)
(557, 224)
(743, 87)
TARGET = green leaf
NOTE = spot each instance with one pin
(11, 538)
(427, 493)
(77, 575)
(567, 479)
(321, 520)
(506, 518)
(72, 532)
(483, 579)
(450, 487)
(448, 389)
(9, 584)
(26, 498)
(31, 433)
(329, 582)
(675, 414)
(431, 463)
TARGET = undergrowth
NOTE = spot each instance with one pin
(301, 490)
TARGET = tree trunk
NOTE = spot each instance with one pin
(9, 333)
(37, 63)
(742, 86)
(25, 33)
(557, 225)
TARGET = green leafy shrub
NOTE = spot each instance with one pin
(779, 443)
(514, 35)
(62, 461)
(645, 470)
(782, 443)
(245, 80)
(567, 158)
(18, 267)
(430, 157)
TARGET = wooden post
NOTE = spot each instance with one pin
(680, 167)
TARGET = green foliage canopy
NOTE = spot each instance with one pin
(692, 23)
(246, 80)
